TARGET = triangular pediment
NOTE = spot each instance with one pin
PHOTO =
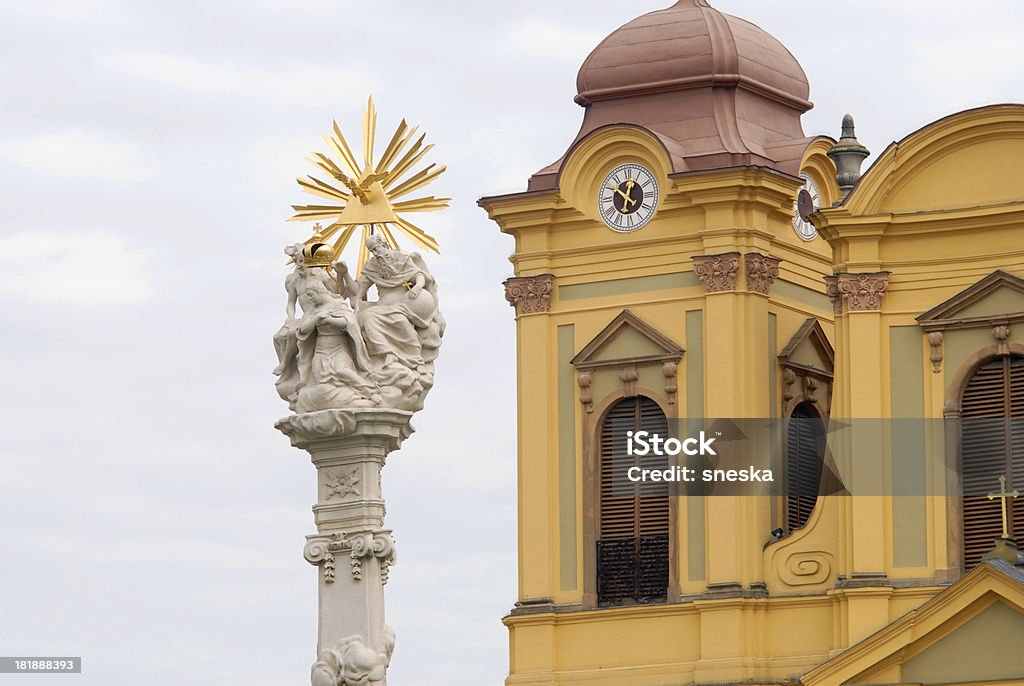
(968, 633)
(999, 297)
(809, 350)
(627, 339)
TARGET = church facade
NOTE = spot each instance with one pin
(693, 254)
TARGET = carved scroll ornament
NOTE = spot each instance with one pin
(717, 272)
(762, 271)
(530, 294)
(321, 549)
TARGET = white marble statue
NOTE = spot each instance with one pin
(380, 354)
(352, 663)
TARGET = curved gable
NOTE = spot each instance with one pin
(970, 159)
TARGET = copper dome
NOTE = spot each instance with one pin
(690, 45)
(717, 91)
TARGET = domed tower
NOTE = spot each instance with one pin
(716, 90)
(667, 271)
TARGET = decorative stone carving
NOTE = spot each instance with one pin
(717, 272)
(629, 377)
(788, 379)
(810, 386)
(380, 354)
(342, 484)
(586, 395)
(809, 359)
(762, 271)
(1001, 332)
(351, 662)
(321, 549)
(807, 568)
(530, 294)
(670, 370)
(653, 350)
(317, 551)
(935, 341)
(832, 291)
(380, 545)
(304, 429)
(863, 292)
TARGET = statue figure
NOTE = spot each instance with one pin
(352, 663)
(332, 357)
(379, 354)
(403, 327)
(285, 340)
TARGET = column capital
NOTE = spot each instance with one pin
(530, 294)
(762, 272)
(859, 292)
(717, 272)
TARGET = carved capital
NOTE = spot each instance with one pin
(832, 291)
(530, 294)
(321, 549)
(762, 271)
(717, 272)
(863, 292)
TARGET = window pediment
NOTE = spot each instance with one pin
(809, 352)
(996, 299)
(627, 340)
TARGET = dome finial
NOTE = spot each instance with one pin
(849, 155)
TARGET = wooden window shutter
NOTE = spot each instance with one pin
(992, 442)
(805, 434)
(634, 517)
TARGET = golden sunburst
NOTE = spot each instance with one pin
(368, 193)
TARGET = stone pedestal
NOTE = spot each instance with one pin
(351, 547)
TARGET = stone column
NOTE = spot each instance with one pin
(351, 547)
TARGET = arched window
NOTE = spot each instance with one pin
(805, 451)
(633, 539)
(992, 445)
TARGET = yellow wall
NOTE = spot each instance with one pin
(740, 609)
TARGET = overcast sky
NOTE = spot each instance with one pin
(151, 518)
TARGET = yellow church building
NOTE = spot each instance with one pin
(693, 254)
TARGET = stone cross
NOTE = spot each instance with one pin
(1004, 497)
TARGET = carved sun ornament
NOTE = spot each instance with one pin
(366, 194)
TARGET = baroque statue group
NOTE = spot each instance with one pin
(344, 351)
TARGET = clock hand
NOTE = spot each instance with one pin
(619, 191)
(627, 195)
(626, 200)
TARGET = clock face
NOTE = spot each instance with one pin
(628, 198)
(808, 201)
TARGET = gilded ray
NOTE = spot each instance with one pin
(398, 142)
(364, 252)
(426, 204)
(411, 157)
(365, 194)
(388, 236)
(343, 239)
(324, 190)
(417, 181)
(419, 235)
(369, 131)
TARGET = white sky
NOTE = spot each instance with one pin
(151, 518)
